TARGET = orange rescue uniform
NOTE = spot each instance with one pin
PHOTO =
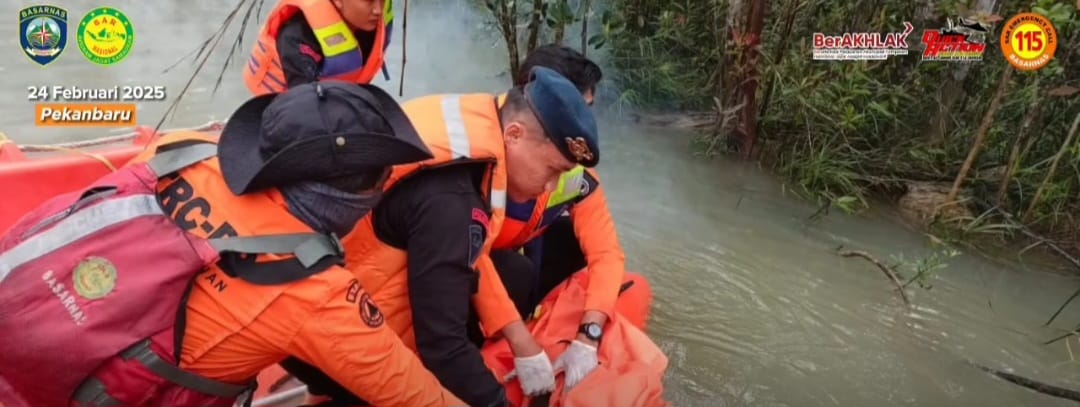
(235, 329)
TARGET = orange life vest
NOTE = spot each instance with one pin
(458, 129)
(340, 48)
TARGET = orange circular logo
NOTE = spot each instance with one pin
(1028, 41)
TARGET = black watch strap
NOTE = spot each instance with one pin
(591, 330)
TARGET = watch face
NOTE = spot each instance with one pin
(593, 330)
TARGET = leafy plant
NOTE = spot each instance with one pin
(925, 268)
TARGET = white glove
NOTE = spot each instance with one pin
(578, 361)
(534, 374)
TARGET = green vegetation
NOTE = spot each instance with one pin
(999, 144)
(841, 131)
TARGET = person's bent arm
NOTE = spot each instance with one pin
(299, 52)
(365, 356)
(443, 242)
(595, 230)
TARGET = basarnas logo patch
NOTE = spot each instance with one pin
(861, 46)
(94, 278)
(43, 32)
(962, 41)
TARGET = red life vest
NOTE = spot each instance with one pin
(92, 283)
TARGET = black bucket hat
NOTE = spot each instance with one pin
(313, 132)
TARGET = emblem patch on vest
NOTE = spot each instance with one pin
(354, 291)
(335, 39)
(584, 187)
(370, 313)
(94, 278)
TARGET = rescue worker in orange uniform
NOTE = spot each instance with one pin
(564, 231)
(423, 252)
(314, 158)
(306, 40)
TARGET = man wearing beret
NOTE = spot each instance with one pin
(564, 231)
(423, 254)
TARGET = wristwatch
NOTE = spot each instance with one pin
(592, 330)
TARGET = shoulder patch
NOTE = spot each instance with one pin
(310, 52)
(370, 313)
(477, 236)
(479, 216)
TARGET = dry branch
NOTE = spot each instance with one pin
(884, 268)
(980, 135)
(1038, 386)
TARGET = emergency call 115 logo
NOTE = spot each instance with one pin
(1028, 41)
(43, 32)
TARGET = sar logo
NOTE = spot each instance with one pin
(105, 36)
(94, 278)
(43, 32)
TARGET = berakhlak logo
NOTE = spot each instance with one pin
(43, 32)
(861, 45)
(965, 41)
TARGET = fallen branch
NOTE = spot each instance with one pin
(1038, 386)
(1075, 331)
(884, 268)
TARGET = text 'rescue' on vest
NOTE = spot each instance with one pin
(340, 48)
(458, 129)
(93, 282)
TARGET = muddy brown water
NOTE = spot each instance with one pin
(752, 305)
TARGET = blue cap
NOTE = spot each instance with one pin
(566, 118)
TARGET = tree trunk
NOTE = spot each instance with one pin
(980, 135)
(509, 24)
(1053, 168)
(534, 26)
(586, 12)
(560, 28)
(750, 82)
(1014, 155)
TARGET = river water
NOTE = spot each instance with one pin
(752, 305)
